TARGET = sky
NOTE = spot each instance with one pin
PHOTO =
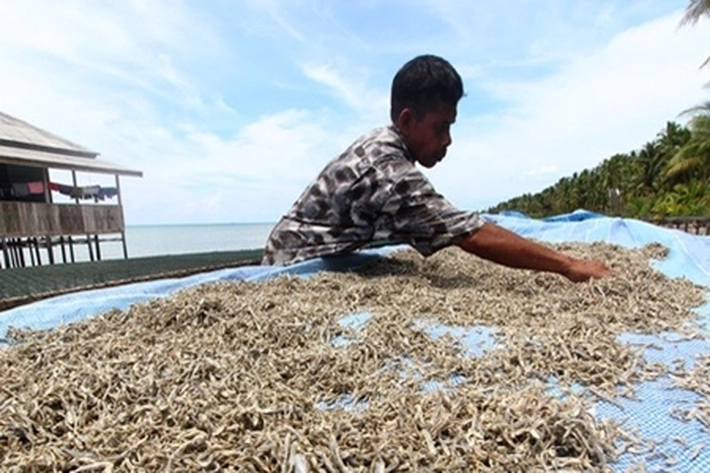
(231, 107)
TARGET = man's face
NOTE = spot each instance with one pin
(428, 136)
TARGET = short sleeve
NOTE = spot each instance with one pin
(418, 215)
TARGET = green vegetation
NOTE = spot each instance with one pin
(667, 177)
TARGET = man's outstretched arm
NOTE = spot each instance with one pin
(502, 246)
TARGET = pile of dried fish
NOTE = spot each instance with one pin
(696, 379)
(246, 375)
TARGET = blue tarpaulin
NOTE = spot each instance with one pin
(689, 257)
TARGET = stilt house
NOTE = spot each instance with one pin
(33, 229)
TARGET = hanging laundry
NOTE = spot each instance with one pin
(73, 191)
(90, 192)
(95, 192)
(65, 190)
(20, 189)
(107, 192)
(35, 187)
(100, 196)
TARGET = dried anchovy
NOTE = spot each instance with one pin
(696, 379)
(246, 375)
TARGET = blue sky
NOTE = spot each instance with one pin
(230, 108)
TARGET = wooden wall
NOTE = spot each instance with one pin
(22, 219)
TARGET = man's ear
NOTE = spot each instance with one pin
(405, 119)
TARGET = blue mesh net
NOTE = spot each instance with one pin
(678, 445)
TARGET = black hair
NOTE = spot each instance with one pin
(422, 83)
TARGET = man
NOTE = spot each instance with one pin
(374, 191)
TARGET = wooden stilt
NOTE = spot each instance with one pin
(64, 251)
(5, 253)
(98, 248)
(30, 245)
(120, 204)
(37, 253)
(17, 250)
(71, 248)
(50, 250)
(21, 253)
(11, 250)
(91, 250)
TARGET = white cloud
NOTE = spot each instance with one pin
(354, 93)
(275, 19)
(609, 101)
(253, 174)
(135, 81)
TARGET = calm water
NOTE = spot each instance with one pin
(156, 240)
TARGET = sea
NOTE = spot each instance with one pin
(159, 240)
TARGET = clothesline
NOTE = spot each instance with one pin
(26, 189)
(86, 192)
(22, 189)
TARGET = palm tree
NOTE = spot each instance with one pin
(693, 159)
(673, 136)
(649, 161)
(702, 109)
(694, 11)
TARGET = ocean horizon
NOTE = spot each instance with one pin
(172, 239)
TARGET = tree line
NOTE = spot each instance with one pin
(667, 177)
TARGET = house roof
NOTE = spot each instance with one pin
(27, 145)
(43, 159)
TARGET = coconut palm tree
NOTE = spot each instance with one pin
(695, 10)
(693, 159)
(673, 136)
(701, 109)
(650, 166)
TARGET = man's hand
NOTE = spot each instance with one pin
(502, 246)
(584, 270)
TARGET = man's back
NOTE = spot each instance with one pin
(337, 212)
(372, 191)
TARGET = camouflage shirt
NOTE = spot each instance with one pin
(371, 192)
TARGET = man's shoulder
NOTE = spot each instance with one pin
(385, 138)
(379, 154)
(375, 148)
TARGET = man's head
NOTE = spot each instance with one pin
(425, 92)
